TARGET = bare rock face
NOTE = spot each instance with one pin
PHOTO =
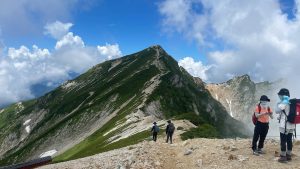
(240, 95)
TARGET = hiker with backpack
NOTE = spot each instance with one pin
(286, 124)
(260, 119)
(154, 130)
(170, 131)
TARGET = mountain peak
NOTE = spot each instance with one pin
(156, 46)
(158, 49)
(240, 79)
(245, 76)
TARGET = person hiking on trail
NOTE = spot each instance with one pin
(154, 130)
(170, 131)
(262, 114)
(286, 128)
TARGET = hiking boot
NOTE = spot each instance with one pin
(288, 157)
(260, 151)
(255, 152)
(282, 159)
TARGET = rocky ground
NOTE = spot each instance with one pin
(196, 153)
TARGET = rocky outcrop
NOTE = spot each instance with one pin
(240, 95)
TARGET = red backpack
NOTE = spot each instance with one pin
(254, 118)
(294, 115)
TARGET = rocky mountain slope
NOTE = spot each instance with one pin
(240, 95)
(111, 106)
(191, 154)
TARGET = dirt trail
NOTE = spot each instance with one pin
(190, 154)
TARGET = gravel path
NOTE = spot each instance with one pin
(190, 154)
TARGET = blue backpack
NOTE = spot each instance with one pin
(156, 129)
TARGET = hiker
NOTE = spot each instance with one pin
(262, 114)
(170, 131)
(285, 127)
(154, 130)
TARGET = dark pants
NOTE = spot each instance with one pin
(260, 132)
(169, 136)
(154, 136)
(286, 140)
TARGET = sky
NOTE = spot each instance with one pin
(48, 42)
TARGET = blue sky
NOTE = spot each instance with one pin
(44, 43)
(133, 24)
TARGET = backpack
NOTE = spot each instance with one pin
(156, 129)
(171, 128)
(294, 115)
(254, 118)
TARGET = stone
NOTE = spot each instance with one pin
(199, 163)
(233, 148)
(185, 143)
(119, 166)
(226, 147)
(188, 152)
(242, 158)
(232, 157)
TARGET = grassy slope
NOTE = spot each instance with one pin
(97, 143)
(60, 103)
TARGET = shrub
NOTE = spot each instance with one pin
(180, 128)
(192, 117)
(203, 131)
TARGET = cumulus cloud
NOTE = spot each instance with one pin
(256, 37)
(24, 53)
(69, 41)
(196, 69)
(57, 29)
(111, 51)
(23, 67)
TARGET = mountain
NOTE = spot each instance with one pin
(240, 95)
(110, 106)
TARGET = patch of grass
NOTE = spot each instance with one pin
(202, 131)
(180, 128)
(192, 117)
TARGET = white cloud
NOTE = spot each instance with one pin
(69, 41)
(110, 51)
(25, 53)
(256, 37)
(196, 69)
(21, 68)
(57, 29)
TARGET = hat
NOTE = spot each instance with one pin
(169, 121)
(264, 98)
(154, 123)
(284, 92)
